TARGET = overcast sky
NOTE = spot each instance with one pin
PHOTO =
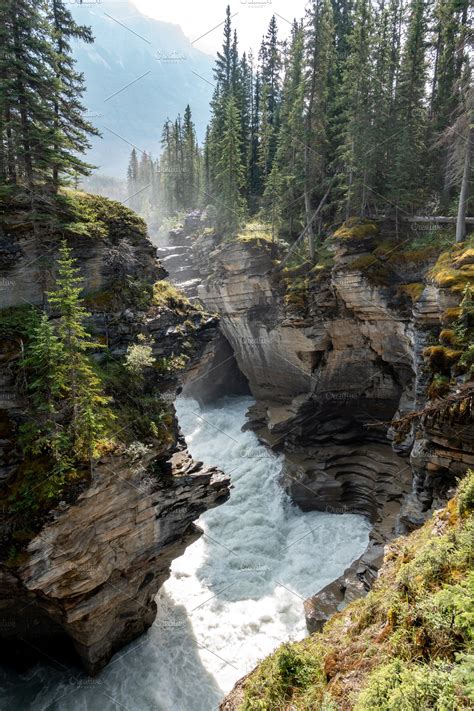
(198, 17)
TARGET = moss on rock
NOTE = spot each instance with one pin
(407, 645)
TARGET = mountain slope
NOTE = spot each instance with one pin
(159, 64)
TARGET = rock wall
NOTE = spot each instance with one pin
(332, 358)
(83, 584)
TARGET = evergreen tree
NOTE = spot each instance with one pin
(45, 359)
(408, 182)
(286, 182)
(230, 171)
(191, 168)
(320, 61)
(357, 102)
(71, 128)
(28, 82)
(42, 123)
(84, 405)
(270, 97)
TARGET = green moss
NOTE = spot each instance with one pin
(405, 646)
(165, 295)
(255, 231)
(441, 358)
(414, 290)
(454, 269)
(356, 228)
(448, 336)
(96, 217)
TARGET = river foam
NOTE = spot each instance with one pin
(233, 597)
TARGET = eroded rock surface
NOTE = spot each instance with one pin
(84, 582)
(332, 364)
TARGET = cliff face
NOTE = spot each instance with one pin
(333, 356)
(79, 577)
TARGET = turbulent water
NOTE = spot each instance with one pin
(234, 596)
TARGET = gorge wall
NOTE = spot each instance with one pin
(78, 576)
(335, 355)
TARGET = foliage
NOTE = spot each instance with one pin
(42, 124)
(139, 357)
(165, 295)
(69, 415)
(407, 645)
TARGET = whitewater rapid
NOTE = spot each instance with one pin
(232, 598)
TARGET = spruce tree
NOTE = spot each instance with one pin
(356, 101)
(408, 179)
(191, 168)
(320, 62)
(71, 128)
(286, 181)
(230, 174)
(28, 83)
(84, 405)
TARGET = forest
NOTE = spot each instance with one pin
(365, 111)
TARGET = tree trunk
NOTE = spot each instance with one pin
(464, 194)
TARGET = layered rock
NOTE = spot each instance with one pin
(91, 574)
(79, 580)
(333, 355)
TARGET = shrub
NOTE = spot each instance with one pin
(407, 687)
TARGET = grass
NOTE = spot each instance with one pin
(407, 646)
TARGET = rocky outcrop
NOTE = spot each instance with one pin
(215, 374)
(334, 354)
(78, 580)
(91, 574)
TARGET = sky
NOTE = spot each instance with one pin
(200, 17)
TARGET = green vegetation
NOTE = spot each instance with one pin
(69, 414)
(408, 645)
(356, 228)
(454, 269)
(100, 218)
(342, 120)
(165, 295)
(42, 124)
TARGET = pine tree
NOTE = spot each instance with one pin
(458, 139)
(286, 182)
(42, 123)
(320, 59)
(230, 171)
(45, 359)
(449, 36)
(357, 103)
(191, 168)
(84, 406)
(408, 185)
(71, 128)
(386, 62)
(270, 97)
(28, 82)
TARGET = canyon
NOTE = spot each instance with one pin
(336, 358)
(335, 362)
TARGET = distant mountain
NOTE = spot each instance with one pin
(161, 67)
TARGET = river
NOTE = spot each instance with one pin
(233, 597)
